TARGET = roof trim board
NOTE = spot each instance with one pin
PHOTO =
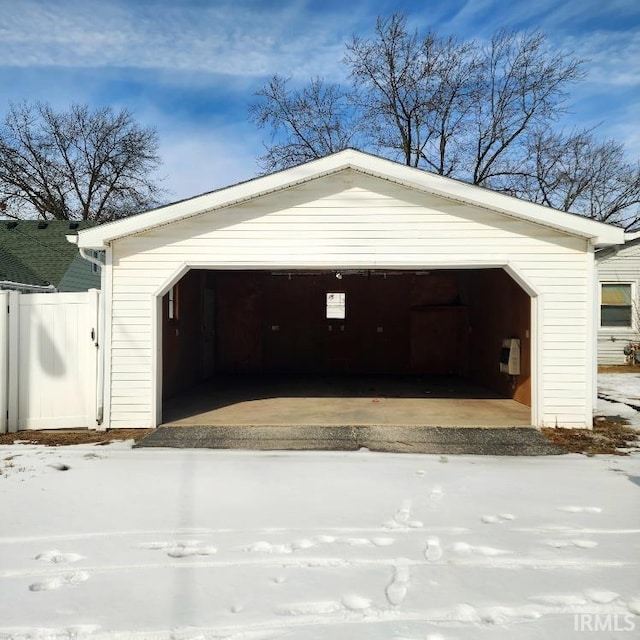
(598, 233)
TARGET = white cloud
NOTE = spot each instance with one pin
(611, 56)
(201, 160)
(224, 37)
(136, 53)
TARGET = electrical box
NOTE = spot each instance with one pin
(510, 356)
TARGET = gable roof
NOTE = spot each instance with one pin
(37, 252)
(599, 233)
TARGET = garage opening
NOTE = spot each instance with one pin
(233, 337)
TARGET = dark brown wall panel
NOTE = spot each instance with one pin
(500, 309)
(181, 337)
(239, 315)
(439, 340)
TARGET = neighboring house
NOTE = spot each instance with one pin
(35, 256)
(351, 264)
(619, 292)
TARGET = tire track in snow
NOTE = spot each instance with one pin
(314, 562)
(335, 614)
(205, 531)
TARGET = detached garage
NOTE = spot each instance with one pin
(351, 266)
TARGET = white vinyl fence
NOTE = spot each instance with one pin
(48, 360)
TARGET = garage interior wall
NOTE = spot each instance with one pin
(396, 322)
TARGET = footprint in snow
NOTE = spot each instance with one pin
(186, 550)
(466, 549)
(58, 557)
(383, 542)
(497, 519)
(563, 544)
(402, 518)
(397, 589)
(601, 596)
(181, 549)
(575, 509)
(357, 542)
(356, 603)
(404, 513)
(433, 550)
(71, 579)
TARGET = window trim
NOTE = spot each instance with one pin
(634, 308)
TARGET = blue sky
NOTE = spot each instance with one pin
(190, 67)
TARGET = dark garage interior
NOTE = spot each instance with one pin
(247, 325)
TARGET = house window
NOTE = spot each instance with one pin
(336, 305)
(616, 306)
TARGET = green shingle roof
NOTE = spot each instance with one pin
(37, 252)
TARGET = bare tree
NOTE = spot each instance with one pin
(522, 87)
(76, 165)
(576, 172)
(483, 113)
(415, 92)
(306, 124)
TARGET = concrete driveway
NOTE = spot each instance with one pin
(339, 401)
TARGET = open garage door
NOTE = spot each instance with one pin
(249, 324)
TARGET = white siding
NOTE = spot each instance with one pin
(353, 220)
(622, 267)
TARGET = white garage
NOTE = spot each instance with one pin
(351, 265)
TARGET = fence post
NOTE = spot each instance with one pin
(13, 361)
(4, 361)
(96, 315)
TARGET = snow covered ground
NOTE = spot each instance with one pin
(112, 542)
(619, 395)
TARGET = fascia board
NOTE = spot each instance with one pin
(598, 233)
